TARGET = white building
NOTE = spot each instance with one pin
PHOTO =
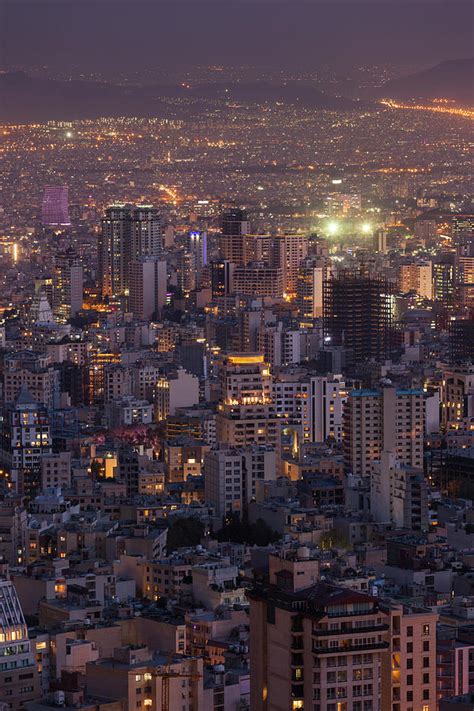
(391, 420)
(398, 494)
(128, 411)
(280, 346)
(231, 477)
(312, 406)
(148, 282)
(179, 389)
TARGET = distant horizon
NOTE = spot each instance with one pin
(139, 35)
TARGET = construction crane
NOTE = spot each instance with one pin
(166, 675)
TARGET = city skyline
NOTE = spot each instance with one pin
(236, 356)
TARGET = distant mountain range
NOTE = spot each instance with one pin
(26, 99)
(453, 79)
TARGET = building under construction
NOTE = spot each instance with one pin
(358, 314)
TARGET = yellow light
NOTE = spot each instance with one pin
(366, 228)
(245, 359)
(333, 228)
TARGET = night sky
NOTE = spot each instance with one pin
(113, 35)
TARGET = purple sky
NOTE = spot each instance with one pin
(109, 35)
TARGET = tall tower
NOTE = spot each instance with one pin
(114, 252)
(146, 232)
(235, 222)
(312, 274)
(233, 241)
(376, 421)
(357, 311)
(147, 287)
(186, 272)
(197, 245)
(221, 278)
(127, 234)
(55, 207)
(25, 437)
(288, 253)
(19, 680)
(67, 284)
(247, 412)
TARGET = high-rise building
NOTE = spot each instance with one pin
(175, 390)
(457, 393)
(329, 648)
(127, 234)
(33, 371)
(280, 346)
(318, 647)
(19, 679)
(146, 232)
(463, 233)
(312, 274)
(358, 312)
(233, 241)
(67, 284)
(375, 421)
(417, 277)
(444, 279)
(148, 279)
(380, 241)
(408, 673)
(465, 279)
(246, 413)
(463, 241)
(186, 272)
(235, 222)
(197, 245)
(221, 278)
(312, 406)
(25, 437)
(461, 339)
(232, 476)
(259, 279)
(55, 207)
(288, 252)
(114, 251)
(398, 494)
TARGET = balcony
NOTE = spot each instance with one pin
(350, 630)
(350, 648)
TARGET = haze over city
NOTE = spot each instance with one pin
(236, 355)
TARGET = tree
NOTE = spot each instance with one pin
(241, 531)
(184, 532)
(333, 539)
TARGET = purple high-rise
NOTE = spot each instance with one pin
(55, 208)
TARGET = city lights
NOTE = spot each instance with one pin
(236, 358)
